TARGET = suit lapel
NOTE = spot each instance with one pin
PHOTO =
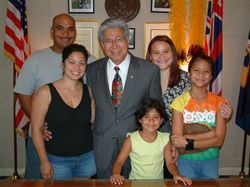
(103, 84)
(131, 82)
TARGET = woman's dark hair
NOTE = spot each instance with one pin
(67, 51)
(175, 71)
(202, 56)
(145, 107)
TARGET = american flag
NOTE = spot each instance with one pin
(216, 45)
(208, 25)
(17, 47)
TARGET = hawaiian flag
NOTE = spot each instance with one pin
(17, 47)
(216, 45)
(243, 109)
(208, 24)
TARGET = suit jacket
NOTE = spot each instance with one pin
(143, 81)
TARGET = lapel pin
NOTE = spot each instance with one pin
(131, 76)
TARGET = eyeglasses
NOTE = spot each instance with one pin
(117, 41)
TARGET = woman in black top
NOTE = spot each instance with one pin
(67, 106)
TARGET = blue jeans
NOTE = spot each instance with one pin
(82, 166)
(32, 170)
(195, 169)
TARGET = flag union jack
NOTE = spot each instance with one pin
(208, 27)
(17, 46)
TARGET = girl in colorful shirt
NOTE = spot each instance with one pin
(198, 105)
(147, 147)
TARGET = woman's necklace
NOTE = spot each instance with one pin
(67, 92)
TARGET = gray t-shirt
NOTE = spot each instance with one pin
(42, 67)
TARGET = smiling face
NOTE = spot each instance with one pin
(75, 65)
(151, 121)
(115, 45)
(200, 73)
(63, 32)
(161, 54)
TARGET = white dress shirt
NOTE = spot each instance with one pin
(123, 72)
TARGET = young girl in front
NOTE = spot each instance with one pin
(147, 147)
(198, 105)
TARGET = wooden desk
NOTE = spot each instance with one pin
(235, 182)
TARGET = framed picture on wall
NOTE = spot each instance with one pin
(87, 35)
(160, 6)
(81, 6)
(131, 38)
(152, 29)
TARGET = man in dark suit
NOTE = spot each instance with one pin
(140, 80)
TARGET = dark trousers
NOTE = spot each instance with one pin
(106, 174)
(167, 174)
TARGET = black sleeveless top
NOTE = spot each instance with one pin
(71, 134)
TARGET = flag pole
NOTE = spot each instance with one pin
(16, 33)
(242, 173)
(243, 114)
(15, 175)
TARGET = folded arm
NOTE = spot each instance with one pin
(202, 140)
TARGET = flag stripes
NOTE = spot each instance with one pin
(215, 46)
(17, 46)
(208, 27)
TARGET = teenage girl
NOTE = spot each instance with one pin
(147, 147)
(174, 81)
(198, 105)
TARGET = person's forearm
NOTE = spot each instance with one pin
(25, 102)
(208, 143)
(117, 168)
(38, 142)
(181, 142)
(172, 169)
(200, 136)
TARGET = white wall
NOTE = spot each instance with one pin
(236, 26)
